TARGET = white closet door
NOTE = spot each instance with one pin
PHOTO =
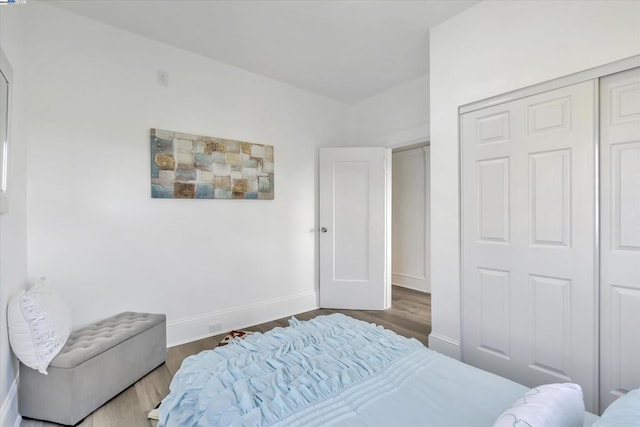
(528, 225)
(620, 237)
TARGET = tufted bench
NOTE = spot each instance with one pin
(97, 362)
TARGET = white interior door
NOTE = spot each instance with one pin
(355, 228)
(528, 248)
(620, 234)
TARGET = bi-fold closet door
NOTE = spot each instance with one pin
(544, 298)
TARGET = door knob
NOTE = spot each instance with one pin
(323, 229)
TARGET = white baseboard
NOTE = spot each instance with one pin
(9, 415)
(445, 345)
(411, 282)
(197, 327)
(401, 285)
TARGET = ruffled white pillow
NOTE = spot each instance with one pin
(549, 405)
(39, 325)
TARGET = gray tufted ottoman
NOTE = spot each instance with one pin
(97, 362)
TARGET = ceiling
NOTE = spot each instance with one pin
(347, 50)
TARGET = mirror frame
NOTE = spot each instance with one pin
(5, 123)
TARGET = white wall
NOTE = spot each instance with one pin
(395, 117)
(410, 250)
(491, 48)
(13, 225)
(93, 229)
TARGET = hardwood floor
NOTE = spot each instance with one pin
(410, 316)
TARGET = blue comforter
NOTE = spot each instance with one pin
(332, 370)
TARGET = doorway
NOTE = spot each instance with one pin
(410, 230)
(353, 187)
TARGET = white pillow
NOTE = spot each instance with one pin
(549, 405)
(39, 325)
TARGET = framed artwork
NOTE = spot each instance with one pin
(186, 166)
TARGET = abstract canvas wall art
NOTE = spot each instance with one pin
(185, 166)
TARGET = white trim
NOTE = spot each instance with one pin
(408, 276)
(427, 217)
(410, 282)
(413, 135)
(388, 237)
(193, 328)
(597, 342)
(445, 345)
(409, 151)
(409, 286)
(424, 144)
(579, 77)
(9, 415)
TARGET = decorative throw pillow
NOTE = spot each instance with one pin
(624, 412)
(549, 405)
(39, 325)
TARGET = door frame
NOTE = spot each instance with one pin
(424, 144)
(421, 138)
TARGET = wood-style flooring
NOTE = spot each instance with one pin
(409, 315)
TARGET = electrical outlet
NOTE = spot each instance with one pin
(163, 78)
(215, 327)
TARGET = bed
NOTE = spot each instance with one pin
(336, 370)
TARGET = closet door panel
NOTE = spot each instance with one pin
(625, 310)
(625, 159)
(620, 234)
(550, 198)
(528, 238)
(493, 200)
(559, 254)
(488, 207)
(550, 308)
(494, 312)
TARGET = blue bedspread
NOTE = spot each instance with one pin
(266, 377)
(332, 370)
